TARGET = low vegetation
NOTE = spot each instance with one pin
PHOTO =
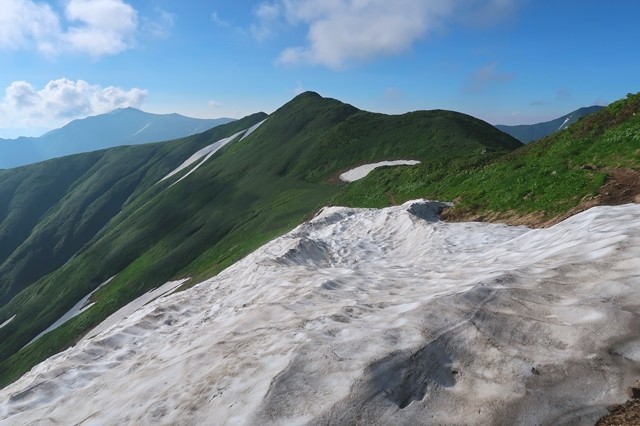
(546, 179)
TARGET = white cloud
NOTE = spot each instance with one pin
(23, 22)
(267, 11)
(266, 14)
(94, 27)
(341, 32)
(60, 101)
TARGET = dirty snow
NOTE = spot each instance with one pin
(135, 305)
(362, 171)
(366, 316)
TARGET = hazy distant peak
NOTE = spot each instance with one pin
(530, 132)
(122, 126)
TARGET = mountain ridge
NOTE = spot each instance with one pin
(123, 126)
(526, 133)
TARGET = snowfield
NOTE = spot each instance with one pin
(365, 316)
(362, 171)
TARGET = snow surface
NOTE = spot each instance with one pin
(201, 155)
(76, 310)
(365, 316)
(362, 171)
(135, 305)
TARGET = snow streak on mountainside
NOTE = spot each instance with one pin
(362, 171)
(564, 123)
(207, 152)
(203, 154)
(366, 316)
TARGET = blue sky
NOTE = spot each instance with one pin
(505, 61)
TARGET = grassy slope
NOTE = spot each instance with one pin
(26, 195)
(245, 195)
(53, 208)
(547, 178)
(103, 191)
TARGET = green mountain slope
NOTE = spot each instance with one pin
(247, 193)
(540, 182)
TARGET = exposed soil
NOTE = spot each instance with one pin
(625, 414)
(622, 187)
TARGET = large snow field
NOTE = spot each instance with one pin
(365, 316)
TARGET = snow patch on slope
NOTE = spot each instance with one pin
(201, 155)
(76, 310)
(365, 316)
(564, 124)
(252, 129)
(362, 171)
(7, 321)
(141, 130)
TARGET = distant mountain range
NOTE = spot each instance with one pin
(123, 126)
(526, 133)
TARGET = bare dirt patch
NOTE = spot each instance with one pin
(625, 414)
(622, 187)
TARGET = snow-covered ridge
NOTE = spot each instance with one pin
(362, 171)
(365, 316)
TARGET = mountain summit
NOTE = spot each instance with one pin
(122, 126)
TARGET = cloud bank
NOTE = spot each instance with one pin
(60, 101)
(92, 27)
(341, 32)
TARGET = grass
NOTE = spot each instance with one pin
(548, 177)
